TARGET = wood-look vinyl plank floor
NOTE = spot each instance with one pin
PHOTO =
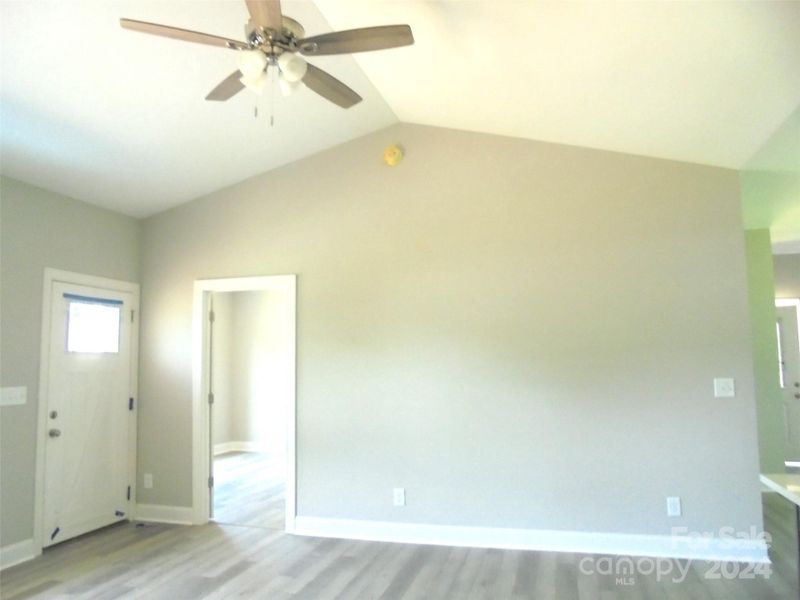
(216, 561)
(249, 490)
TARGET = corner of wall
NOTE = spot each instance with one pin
(761, 295)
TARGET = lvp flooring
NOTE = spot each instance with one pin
(249, 490)
(221, 561)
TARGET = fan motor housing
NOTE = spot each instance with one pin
(291, 31)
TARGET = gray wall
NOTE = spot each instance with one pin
(787, 275)
(261, 358)
(41, 229)
(769, 401)
(521, 334)
(251, 375)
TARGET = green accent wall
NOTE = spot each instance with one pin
(761, 284)
(770, 184)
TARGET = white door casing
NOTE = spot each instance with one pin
(788, 315)
(87, 417)
(202, 448)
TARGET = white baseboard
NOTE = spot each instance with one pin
(225, 447)
(13, 554)
(786, 247)
(619, 544)
(159, 513)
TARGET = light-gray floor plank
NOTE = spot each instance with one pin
(217, 561)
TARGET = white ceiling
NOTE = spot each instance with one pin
(118, 118)
(704, 82)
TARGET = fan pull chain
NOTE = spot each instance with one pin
(272, 96)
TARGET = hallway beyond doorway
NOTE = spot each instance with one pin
(249, 490)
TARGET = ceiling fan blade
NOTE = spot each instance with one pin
(182, 34)
(228, 88)
(330, 88)
(266, 13)
(357, 40)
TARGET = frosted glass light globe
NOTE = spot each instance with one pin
(287, 87)
(255, 84)
(251, 63)
(292, 67)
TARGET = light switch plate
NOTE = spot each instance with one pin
(673, 506)
(724, 387)
(13, 396)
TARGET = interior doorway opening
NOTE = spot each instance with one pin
(244, 401)
(788, 333)
(250, 381)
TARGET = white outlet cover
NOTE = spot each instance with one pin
(673, 506)
(148, 481)
(399, 496)
(724, 387)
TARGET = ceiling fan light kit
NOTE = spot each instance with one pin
(293, 67)
(276, 40)
(252, 62)
(288, 87)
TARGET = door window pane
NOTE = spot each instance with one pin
(93, 327)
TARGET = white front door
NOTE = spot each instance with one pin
(88, 411)
(789, 348)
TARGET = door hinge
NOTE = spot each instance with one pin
(130, 403)
(211, 397)
(211, 316)
(211, 482)
(132, 316)
(129, 493)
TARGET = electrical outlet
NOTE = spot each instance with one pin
(673, 506)
(399, 496)
(724, 387)
(148, 481)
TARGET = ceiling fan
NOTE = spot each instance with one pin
(274, 40)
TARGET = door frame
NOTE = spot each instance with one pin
(51, 277)
(789, 303)
(201, 442)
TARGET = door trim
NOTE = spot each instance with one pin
(52, 276)
(201, 443)
(789, 303)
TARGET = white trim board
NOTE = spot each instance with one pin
(225, 447)
(14, 554)
(786, 247)
(159, 513)
(619, 544)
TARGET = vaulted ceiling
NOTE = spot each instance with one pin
(118, 118)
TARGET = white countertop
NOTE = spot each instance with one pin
(786, 484)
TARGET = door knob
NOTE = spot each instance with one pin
(54, 432)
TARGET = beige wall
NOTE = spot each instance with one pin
(521, 334)
(769, 403)
(42, 229)
(252, 377)
(787, 275)
(261, 356)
